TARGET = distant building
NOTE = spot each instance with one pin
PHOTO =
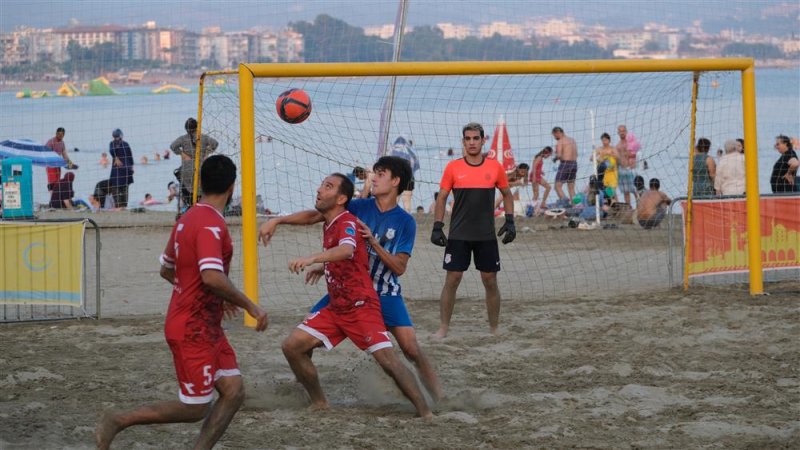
(454, 31)
(382, 31)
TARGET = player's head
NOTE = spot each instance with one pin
(335, 191)
(557, 133)
(703, 145)
(217, 176)
(655, 184)
(391, 172)
(473, 138)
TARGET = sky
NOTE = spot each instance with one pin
(233, 15)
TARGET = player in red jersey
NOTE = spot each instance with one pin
(354, 310)
(196, 262)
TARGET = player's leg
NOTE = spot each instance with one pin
(316, 330)
(111, 422)
(228, 383)
(364, 326)
(487, 261)
(398, 322)
(457, 256)
(403, 378)
(407, 340)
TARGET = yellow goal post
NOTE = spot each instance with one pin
(248, 72)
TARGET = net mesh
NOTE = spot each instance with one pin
(549, 258)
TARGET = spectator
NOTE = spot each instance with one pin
(172, 191)
(567, 153)
(607, 166)
(593, 198)
(740, 145)
(184, 146)
(104, 160)
(101, 191)
(62, 193)
(57, 145)
(537, 178)
(730, 171)
(784, 172)
(652, 206)
(703, 170)
(627, 149)
(121, 169)
(361, 178)
(405, 150)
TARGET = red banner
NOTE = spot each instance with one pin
(719, 235)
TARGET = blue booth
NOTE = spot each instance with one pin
(17, 188)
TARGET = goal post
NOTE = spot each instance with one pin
(248, 73)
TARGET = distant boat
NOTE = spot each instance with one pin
(38, 154)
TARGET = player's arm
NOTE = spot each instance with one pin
(338, 253)
(397, 263)
(441, 203)
(508, 200)
(219, 283)
(167, 260)
(367, 186)
(308, 217)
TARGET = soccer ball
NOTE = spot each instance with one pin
(293, 106)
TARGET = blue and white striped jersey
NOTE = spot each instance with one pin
(395, 230)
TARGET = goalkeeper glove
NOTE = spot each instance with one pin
(509, 229)
(437, 235)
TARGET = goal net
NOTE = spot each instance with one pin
(568, 254)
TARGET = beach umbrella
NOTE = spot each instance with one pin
(501, 147)
(37, 153)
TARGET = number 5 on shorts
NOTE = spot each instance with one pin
(207, 374)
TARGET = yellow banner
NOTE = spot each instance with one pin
(42, 263)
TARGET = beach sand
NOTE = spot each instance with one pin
(711, 367)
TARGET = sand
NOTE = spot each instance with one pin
(711, 367)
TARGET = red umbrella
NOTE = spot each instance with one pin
(507, 155)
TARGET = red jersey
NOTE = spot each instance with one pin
(54, 173)
(349, 283)
(199, 241)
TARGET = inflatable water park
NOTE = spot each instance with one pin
(98, 86)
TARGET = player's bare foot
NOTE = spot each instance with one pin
(323, 406)
(493, 331)
(107, 427)
(427, 417)
(441, 333)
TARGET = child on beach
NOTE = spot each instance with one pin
(537, 179)
(104, 160)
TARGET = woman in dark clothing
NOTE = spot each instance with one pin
(784, 172)
(121, 169)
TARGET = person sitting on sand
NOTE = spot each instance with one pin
(652, 206)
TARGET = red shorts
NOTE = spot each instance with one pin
(363, 325)
(199, 365)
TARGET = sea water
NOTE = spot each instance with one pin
(151, 122)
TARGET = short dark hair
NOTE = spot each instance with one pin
(60, 130)
(524, 166)
(346, 187)
(559, 129)
(638, 182)
(399, 167)
(191, 124)
(703, 145)
(359, 171)
(786, 140)
(217, 174)
(605, 135)
(654, 183)
(472, 126)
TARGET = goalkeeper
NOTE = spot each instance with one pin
(473, 180)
